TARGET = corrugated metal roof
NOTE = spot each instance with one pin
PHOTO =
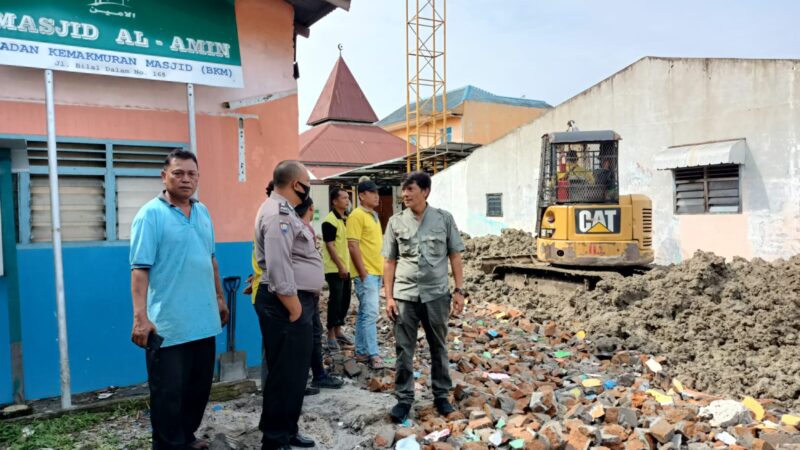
(572, 137)
(321, 172)
(458, 97)
(350, 144)
(733, 151)
(342, 99)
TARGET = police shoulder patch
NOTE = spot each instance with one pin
(285, 227)
(285, 209)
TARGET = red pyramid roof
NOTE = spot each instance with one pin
(350, 143)
(342, 99)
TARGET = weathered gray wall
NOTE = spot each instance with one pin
(653, 104)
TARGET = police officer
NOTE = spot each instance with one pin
(292, 277)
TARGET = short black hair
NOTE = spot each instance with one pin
(334, 193)
(422, 179)
(286, 172)
(270, 188)
(180, 153)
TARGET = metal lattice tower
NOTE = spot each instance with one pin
(426, 74)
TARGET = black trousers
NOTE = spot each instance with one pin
(288, 347)
(180, 382)
(261, 313)
(317, 368)
(338, 300)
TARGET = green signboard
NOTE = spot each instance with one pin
(187, 41)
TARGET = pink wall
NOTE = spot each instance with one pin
(99, 107)
(265, 39)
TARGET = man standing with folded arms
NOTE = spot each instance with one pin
(177, 295)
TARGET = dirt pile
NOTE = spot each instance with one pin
(730, 328)
(510, 242)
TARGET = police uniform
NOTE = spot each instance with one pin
(291, 264)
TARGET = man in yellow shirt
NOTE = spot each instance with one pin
(364, 240)
(336, 260)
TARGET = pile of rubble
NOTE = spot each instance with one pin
(520, 384)
(625, 366)
(731, 328)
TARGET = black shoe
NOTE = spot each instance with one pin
(327, 382)
(311, 390)
(298, 440)
(443, 406)
(399, 413)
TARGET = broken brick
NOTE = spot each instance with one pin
(577, 440)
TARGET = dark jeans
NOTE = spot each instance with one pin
(261, 313)
(434, 316)
(317, 368)
(288, 347)
(180, 382)
(338, 300)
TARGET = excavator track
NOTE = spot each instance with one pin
(522, 271)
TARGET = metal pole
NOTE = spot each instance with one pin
(55, 215)
(192, 123)
(192, 126)
(408, 99)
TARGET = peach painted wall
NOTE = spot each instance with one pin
(724, 234)
(486, 122)
(453, 122)
(114, 108)
(265, 39)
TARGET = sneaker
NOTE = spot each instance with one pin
(443, 406)
(344, 340)
(376, 363)
(327, 382)
(399, 412)
(311, 390)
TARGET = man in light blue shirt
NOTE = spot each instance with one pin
(177, 295)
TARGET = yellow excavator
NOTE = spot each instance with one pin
(585, 229)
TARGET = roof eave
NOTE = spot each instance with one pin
(309, 12)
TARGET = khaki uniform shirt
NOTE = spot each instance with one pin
(421, 249)
(286, 249)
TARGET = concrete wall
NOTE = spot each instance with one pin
(653, 104)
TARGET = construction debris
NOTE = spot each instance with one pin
(729, 328)
(578, 376)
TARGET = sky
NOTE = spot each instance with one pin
(544, 50)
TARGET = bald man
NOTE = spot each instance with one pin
(292, 278)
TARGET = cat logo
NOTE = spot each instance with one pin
(597, 221)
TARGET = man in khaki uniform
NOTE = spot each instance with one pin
(417, 245)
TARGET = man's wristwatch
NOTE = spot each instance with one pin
(460, 291)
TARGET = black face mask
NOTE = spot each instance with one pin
(304, 194)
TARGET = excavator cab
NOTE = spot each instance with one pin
(582, 219)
